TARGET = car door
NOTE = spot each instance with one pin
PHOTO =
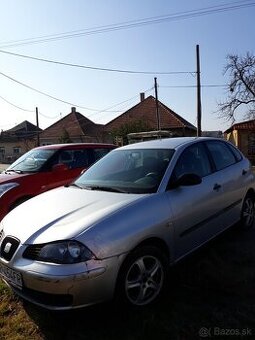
(232, 180)
(196, 208)
(68, 165)
(64, 168)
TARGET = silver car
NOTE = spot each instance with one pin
(115, 230)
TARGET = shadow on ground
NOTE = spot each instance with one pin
(210, 290)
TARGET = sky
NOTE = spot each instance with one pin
(36, 29)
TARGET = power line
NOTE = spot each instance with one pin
(237, 5)
(26, 110)
(83, 107)
(92, 67)
(46, 116)
(18, 107)
(190, 86)
(108, 110)
(46, 94)
(118, 104)
(41, 92)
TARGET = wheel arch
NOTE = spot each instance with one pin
(156, 242)
(152, 241)
(251, 192)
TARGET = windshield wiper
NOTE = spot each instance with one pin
(73, 185)
(12, 170)
(102, 188)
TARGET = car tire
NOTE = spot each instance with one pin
(142, 276)
(248, 212)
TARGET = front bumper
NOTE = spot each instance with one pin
(59, 287)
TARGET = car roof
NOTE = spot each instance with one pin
(166, 143)
(76, 145)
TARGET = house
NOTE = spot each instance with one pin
(76, 128)
(73, 128)
(215, 134)
(18, 140)
(143, 117)
(243, 136)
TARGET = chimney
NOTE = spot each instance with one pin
(142, 96)
(73, 109)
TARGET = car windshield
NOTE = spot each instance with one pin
(31, 161)
(129, 171)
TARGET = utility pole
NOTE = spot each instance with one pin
(37, 125)
(199, 107)
(157, 108)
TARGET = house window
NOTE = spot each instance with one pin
(16, 151)
(2, 152)
(251, 144)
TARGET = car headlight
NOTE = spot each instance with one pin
(6, 187)
(62, 252)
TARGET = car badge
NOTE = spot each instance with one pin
(7, 247)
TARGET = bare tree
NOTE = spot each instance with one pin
(241, 87)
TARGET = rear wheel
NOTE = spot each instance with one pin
(248, 211)
(142, 276)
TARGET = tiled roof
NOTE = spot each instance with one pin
(146, 111)
(24, 126)
(247, 125)
(23, 130)
(74, 123)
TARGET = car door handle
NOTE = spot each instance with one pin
(216, 187)
(244, 172)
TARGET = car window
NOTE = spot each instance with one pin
(193, 160)
(32, 161)
(132, 171)
(100, 152)
(221, 154)
(80, 158)
(236, 152)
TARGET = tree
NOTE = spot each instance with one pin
(125, 129)
(241, 87)
(65, 137)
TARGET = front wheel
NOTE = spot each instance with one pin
(142, 276)
(247, 213)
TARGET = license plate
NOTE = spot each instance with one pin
(11, 276)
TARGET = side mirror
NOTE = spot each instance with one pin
(186, 180)
(59, 167)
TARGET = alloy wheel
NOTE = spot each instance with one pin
(144, 280)
(248, 212)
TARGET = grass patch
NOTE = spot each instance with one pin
(212, 288)
(15, 324)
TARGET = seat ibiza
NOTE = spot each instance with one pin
(115, 230)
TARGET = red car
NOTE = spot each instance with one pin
(44, 168)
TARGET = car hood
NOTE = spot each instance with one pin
(10, 177)
(62, 213)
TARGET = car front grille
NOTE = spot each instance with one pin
(8, 247)
(1, 235)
